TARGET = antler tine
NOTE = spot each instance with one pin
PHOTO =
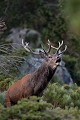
(57, 49)
(63, 50)
(51, 46)
(49, 49)
(60, 44)
(44, 49)
(26, 47)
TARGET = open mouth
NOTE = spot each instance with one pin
(58, 60)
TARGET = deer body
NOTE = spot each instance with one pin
(34, 83)
(31, 84)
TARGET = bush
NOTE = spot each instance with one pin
(73, 65)
(62, 96)
(36, 109)
(2, 97)
(4, 85)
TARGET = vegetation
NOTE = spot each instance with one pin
(55, 20)
(73, 65)
(58, 103)
(63, 96)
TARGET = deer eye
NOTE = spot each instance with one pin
(50, 56)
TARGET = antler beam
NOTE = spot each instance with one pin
(26, 47)
(63, 50)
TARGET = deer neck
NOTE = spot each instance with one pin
(43, 73)
(41, 78)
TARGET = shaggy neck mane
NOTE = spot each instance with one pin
(44, 71)
(41, 77)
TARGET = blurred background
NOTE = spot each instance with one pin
(36, 21)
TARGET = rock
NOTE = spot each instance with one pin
(29, 35)
(63, 74)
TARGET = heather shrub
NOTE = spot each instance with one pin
(36, 109)
(62, 96)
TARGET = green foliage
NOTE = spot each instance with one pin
(73, 65)
(54, 27)
(20, 12)
(26, 109)
(58, 103)
(10, 62)
(38, 15)
(2, 98)
(20, 52)
(2, 77)
(4, 85)
(62, 96)
(36, 109)
(71, 11)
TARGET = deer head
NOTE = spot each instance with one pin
(52, 60)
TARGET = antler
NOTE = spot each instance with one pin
(49, 49)
(63, 50)
(57, 49)
(42, 53)
(60, 45)
(26, 47)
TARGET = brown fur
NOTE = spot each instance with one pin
(31, 84)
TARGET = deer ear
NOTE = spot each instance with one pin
(41, 54)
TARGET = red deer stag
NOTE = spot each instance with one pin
(36, 82)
